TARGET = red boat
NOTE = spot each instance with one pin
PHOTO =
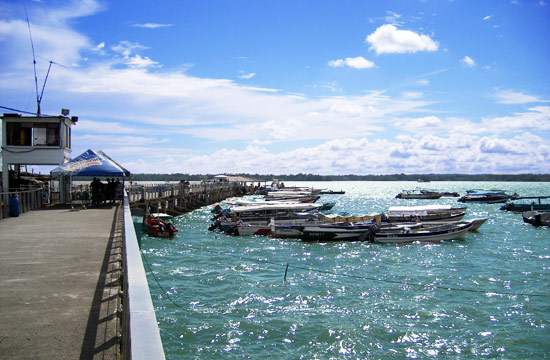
(160, 228)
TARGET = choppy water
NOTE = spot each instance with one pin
(484, 296)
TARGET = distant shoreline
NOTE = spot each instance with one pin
(420, 178)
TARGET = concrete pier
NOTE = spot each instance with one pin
(60, 274)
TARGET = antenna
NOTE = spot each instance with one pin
(34, 64)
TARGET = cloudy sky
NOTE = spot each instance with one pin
(283, 87)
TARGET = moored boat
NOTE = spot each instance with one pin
(339, 232)
(433, 234)
(159, 228)
(441, 213)
(528, 203)
(537, 218)
(228, 221)
(487, 196)
(332, 192)
(418, 194)
(374, 233)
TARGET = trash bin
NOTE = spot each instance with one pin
(14, 206)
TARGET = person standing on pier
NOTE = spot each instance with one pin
(95, 186)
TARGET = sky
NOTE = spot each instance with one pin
(285, 87)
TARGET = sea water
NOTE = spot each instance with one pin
(254, 297)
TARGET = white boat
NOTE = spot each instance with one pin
(228, 221)
(418, 194)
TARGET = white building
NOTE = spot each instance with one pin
(35, 140)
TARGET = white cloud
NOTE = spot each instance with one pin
(247, 76)
(393, 18)
(514, 97)
(141, 62)
(487, 17)
(170, 120)
(501, 146)
(387, 39)
(419, 124)
(536, 118)
(413, 95)
(99, 46)
(127, 48)
(467, 62)
(152, 25)
(358, 62)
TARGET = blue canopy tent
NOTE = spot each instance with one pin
(89, 163)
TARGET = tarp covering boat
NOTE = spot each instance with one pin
(335, 218)
(421, 210)
(91, 163)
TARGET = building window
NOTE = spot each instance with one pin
(18, 134)
(32, 134)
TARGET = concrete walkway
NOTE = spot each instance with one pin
(60, 273)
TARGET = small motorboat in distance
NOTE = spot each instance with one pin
(487, 196)
(332, 192)
(418, 194)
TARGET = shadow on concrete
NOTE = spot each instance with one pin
(101, 338)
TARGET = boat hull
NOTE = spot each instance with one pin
(337, 233)
(537, 218)
(430, 235)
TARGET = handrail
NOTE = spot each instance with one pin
(141, 338)
(28, 199)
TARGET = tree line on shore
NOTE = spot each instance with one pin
(314, 177)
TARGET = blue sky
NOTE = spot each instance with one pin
(283, 87)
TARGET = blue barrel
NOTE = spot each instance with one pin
(14, 206)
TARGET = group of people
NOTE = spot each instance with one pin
(103, 193)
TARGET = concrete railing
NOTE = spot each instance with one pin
(140, 333)
(24, 200)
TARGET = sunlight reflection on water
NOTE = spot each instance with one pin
(218, 294)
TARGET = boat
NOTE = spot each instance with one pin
(418, 194)
(432, 234)
(476, 223)
(442, 193)
(228, 221)
(440, 213)
(294, 229)
(332, 192)
(373, 233)
(527, 203)
(162, 216)
(487, 196)
(339, 232)
(537, 218)
(159, 228)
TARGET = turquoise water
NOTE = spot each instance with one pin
(484, 296)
